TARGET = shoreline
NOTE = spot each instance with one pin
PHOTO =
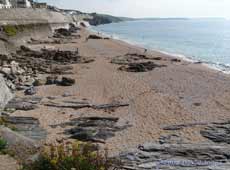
(169, 98)
(209, 65)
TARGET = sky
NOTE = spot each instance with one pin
(150, 8)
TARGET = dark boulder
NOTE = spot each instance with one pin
(93, 36)
(30, 91)
(176, 60)
(50, 80)
(63, 32)
(140, 67)
(73, 28)
(66, 81)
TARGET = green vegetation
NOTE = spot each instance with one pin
(3, 145)
(77, 156)
(13, 30)
(10, 30)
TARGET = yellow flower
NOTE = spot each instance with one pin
(53, 162)
(93, 154)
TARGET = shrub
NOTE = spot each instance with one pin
(10, 30)
(77, 156)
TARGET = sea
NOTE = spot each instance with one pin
(199, 40)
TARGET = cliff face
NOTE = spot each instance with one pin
(94, 18)
(98, 19)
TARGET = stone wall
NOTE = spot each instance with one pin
(23, 16)
(33, 23)
(5, 93)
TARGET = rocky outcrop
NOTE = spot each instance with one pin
(132, 58)
(64, 33)
(140, 67)
(173, 152)
(177, 157)
(5, 93)
(21, 146)
(25, 104)
(26, 126)
(217, 132)
(96, 37)
(27, 56)
(23, 67)
(134, 62)
(66, 81)
(93, 129)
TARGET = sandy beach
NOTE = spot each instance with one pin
(120, 85)
(180, 93)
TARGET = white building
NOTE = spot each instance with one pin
(5, 4)
(15, 4)
(26, 3)
(20, 3)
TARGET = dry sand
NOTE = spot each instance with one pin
(7, 163)
(180, 93)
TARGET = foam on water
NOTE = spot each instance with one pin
(196, 40)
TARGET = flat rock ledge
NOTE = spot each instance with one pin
(20, 146)
(177, 157)
(26, 126)
(23, 135)
(217, 132)
(93, 129)
(24, 103)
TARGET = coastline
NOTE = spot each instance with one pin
(190, 85)
(171, 93)
(210, 65)
(153, 95)
(71, 96)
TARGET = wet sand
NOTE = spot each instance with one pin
(180, 93)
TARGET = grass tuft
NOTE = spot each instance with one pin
(3, 145)
(10, 30)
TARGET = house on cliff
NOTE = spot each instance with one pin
(5, 4)
(39, 4)
(20, 3)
